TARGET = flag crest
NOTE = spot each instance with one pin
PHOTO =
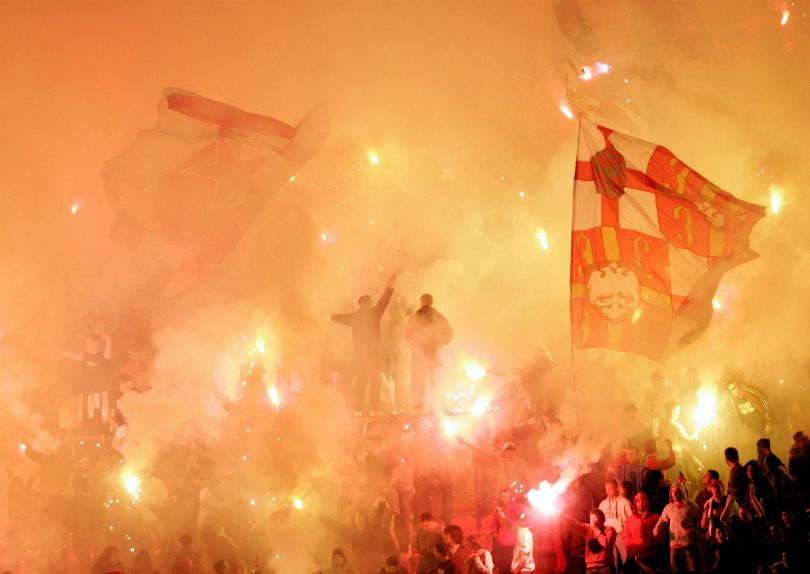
(651, 239)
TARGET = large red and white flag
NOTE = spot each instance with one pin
(651, 240)
(185, 192)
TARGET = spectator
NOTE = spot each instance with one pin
(109, 561)
(681, 515)
(523, 556)
(480, 560)
(427, 537)
(631, 469)
(339, 563)
(600, 542)
(651, 460)
(737, 479)
(617, 509)
(392, 566)
(443, 563)
(142, 564)
(638, 535)
(186, 552)
(427, 331)
(705, 494)
(503, 534)
(365, 325)
(459, 552)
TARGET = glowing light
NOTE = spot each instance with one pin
(602, 68)
(74, 209)
(542, 238)
(324, 237)
(373, 158)
(716, 304)
(261, 346)
(253, 502)
(637, 314)
(132, 484)
(450, 428)
(522, 194)
(275, 398)
(706, 410)
(785, 17)
(480, 406)
(546, 496)
(23, 447)
(565, 109)
(775, 194)
(585, 74)
(292, 178)
(781, 381)
(298, 504)
(474, 371)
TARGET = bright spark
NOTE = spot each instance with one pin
(566, 110)
(373, 158)
(74, 209)
(132, 484)
(546, 496)
(602, 68)
(474, 371)
(542, 238)
(261, 346)
(298, 504)
(785, 17)
(292, 178)
(585, 74)
(716, 305)
(275, 398)
(23, 447)
(449, 427)
(775, 194)
(480, 406)
(705, 412)
(637, 314)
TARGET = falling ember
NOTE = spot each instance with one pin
(132, 484)
(474, 371)
(785, 17)
(585, 74)
(373, 158)
(74, 209)
(637, 314)
(275, 398)
(542, 238)
(292, 178)
(261, 346)
(546, 496)
(566, 110)
(705, 412)
(23, 447)
(298, 504)
(775, 194)
(716, 305)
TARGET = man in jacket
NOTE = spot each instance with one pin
(682, 516)
(427, 331)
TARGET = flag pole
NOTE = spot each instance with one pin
(570, 319)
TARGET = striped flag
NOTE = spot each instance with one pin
(650, 242)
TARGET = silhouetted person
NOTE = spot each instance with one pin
(427, 331)
(365, 324)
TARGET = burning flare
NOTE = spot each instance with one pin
(132, 484)
(545, 497)
(566, 110)
(775, 194)
(706, 410)
(542, 238)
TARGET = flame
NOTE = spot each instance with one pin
(261, 345)
(373, 158)
(546, 496)
(275, 398)
(132, 484)
(602, 68)
(474, 371)
(775, 194)
(296, 502)
(785, 17)
(585, 74)
(542, 238)
(566, 110)
(706, 410)
(716, 304)
(479, 407)
(449, 427)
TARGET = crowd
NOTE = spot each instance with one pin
(413, 498)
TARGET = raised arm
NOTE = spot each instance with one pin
(67, 354)
(343, 318)
(655, 463)
(386, 296)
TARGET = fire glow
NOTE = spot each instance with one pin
(546, 497)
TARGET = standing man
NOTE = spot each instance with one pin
(737, 479)
(638, 534)
(504, 540)
(523, 557)
(682, 515)
(617, 510)
(365, 324)
(427, 331)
